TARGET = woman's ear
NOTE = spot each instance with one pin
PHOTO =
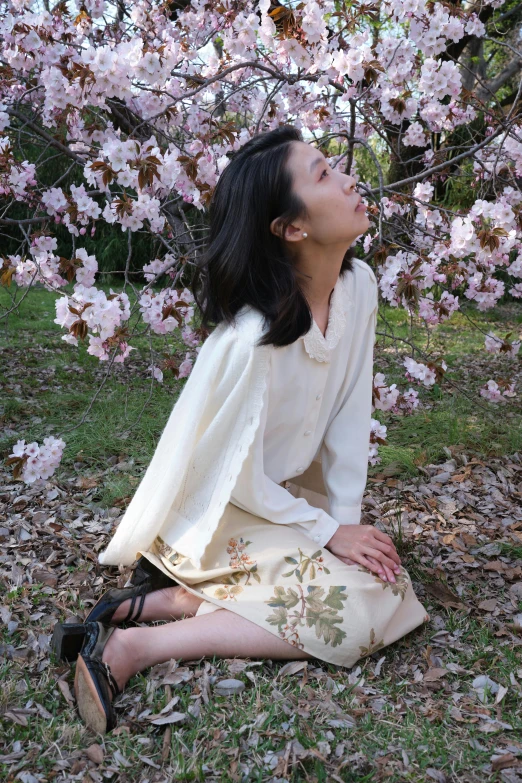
(276, 227)
(292, 234)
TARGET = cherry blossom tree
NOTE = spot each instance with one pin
(140, 104)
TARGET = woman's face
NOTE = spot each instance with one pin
(330, 198)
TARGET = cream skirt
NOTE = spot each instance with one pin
(275, 576)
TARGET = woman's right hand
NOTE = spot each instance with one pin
(367, 545)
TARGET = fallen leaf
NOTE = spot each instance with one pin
(85, 482)
(489, 605)
(161, 720)
(120, 759)
(45, 577)
(434, 674)
(292, 667)
(456, 714)
(94, 753)
(495, 565)
(66, 691)
(504, 761)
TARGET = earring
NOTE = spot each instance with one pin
(304, 234)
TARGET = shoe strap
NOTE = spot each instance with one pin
(142, 590)
(105, 669)
(112, 682)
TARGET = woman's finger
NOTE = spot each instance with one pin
(390, 553)
(385, 538)
(372, 564)
(367, 562)
(369, 550)
(347, 560)
(380, 567)
(386, 573)
(382, 570)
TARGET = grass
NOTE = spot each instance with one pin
(407, 727)
(397, 736)
(61, 379)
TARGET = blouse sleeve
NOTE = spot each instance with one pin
(345, 448)
(254, 491)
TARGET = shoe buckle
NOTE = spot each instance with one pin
(110, 677)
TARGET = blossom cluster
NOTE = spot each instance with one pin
(377, 437)
(495, 393)
(494, 344)
(37, 462)
(143, 109)
(90, 312)
(421, 372)
(389, 398)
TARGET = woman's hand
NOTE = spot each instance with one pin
(367, 545)
(385, 573)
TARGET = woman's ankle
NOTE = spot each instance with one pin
(150, 604)
(168, 603)
(121, 661)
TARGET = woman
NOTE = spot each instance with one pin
(272, 535)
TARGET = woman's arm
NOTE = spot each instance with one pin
(254, 491)
(344, 454)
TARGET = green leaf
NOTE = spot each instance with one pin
(278, 617)
(279, 598)
(335, 597)
(314, 599)
(291, 560)
(316, 554)
(292, 598)
(326, 628)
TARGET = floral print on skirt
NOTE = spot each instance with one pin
(275, 576)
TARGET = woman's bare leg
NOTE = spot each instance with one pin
(222, 633)
(169, 603)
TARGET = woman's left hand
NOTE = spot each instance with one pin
(385, 571)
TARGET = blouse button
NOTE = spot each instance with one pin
(300, 468)
(307, 432)
(316, 538)
(318, 397)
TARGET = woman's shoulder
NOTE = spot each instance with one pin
(364, 270)
(248, 326)
(361, 288)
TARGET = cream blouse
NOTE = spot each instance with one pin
(233, 436)
(317, 406)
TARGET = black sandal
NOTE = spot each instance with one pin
(67, 638)
(94, 683)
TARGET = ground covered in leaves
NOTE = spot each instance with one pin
(443, 703)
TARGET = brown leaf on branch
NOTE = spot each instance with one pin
(123, 205)
(147, 169)
(284, 20)
(190, 164)
(68, 267)
(371, 74)
(490, 237)
(7, 271)
(108, 173)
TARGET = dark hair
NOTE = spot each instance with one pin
(244, 263)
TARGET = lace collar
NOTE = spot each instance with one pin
(317, 345)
